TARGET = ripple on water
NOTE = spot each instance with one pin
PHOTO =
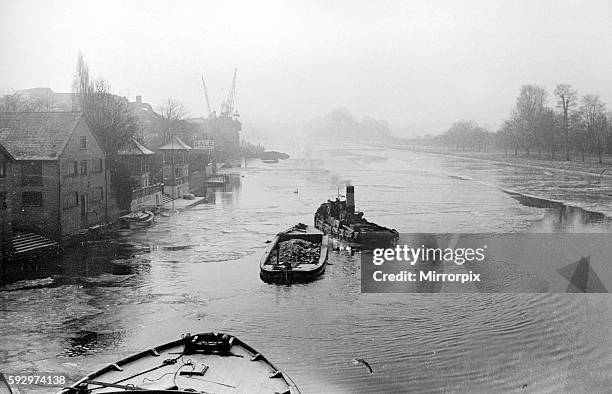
(199, 278)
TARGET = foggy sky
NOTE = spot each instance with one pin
(418, 64)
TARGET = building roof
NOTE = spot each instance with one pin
(136, 148)
(6, 153)
(50, 99)
(37, 135)
(175, 144)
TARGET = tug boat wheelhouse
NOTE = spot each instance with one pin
(339, 219)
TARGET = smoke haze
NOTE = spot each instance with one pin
(420, 65)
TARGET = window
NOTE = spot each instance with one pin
(2, 170)
(71, 200)
(178, 172)
(83, 140)
(3, 203)
(97, 194)
(83, 168)
(31, 199)
(72, 169)
(97, 165)
(31, 173)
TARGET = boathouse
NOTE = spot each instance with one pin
(136, 159)
(175, 167)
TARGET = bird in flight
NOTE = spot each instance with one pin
(357, 361)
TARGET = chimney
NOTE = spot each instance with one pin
(138, 99)
(350, 199)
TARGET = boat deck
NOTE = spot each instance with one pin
(239, 372)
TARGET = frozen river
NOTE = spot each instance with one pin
(198, 271)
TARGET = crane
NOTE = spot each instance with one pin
(228, 107)
(206, 96)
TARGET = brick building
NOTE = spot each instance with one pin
(59, 183)
(7, 178)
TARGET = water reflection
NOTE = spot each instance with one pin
(560, 217)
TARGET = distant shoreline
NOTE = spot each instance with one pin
(576, 165)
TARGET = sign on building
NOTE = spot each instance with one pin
(207, 145)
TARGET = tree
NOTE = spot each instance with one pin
(467, 134)
(458, 134)
(108, 115)
(172, 113)
(506, 137)
(595, 123)
(609, 142)
(577, 136)
(340, 124)
(566, 101)
(81, 84)
(547, 132)
(19, 103)
(529, 107)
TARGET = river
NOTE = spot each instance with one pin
(198, 271)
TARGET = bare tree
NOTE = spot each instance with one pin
(567, 99)
(467, 134)
(507, 137)
(595, 123)
(530, 105)
(81, 84)
(19, 103)
(172, 112)
(108, 115)
(547, 132)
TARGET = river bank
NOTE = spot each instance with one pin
(590, 166)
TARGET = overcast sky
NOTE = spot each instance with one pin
(418, 64)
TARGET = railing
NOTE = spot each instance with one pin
(179, 180)
(139, 169)
(146, 191)
(177, 160)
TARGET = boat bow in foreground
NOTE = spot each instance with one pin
(202, 363)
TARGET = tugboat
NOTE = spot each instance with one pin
(339, 219)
